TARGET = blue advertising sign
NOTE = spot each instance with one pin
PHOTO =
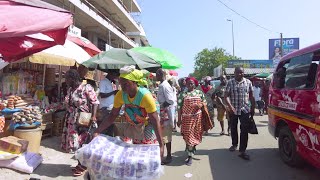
(250, 63)
(289, 45)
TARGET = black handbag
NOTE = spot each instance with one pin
(253, 128)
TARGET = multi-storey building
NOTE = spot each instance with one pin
(106, 22)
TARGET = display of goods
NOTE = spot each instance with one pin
(28, 115)
(54, 107)
(2, 105)
(15, 101)
(110, 158)
(2, 123)
(13, 145)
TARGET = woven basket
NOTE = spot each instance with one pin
(46, 118)
(58, 121)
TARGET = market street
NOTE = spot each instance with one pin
(213, 160)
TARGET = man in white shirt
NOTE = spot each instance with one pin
(166, 100)
(106, 98)
(257, 97)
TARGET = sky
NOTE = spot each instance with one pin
(186, 27)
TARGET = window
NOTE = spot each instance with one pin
(298, 72)
(280, 75)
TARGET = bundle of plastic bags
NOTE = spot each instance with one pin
(110, 158)
(26, 162)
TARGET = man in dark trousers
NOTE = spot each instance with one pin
(240, 105)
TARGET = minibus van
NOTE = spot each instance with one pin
(294, 106)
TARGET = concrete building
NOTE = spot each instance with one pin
(106, 23)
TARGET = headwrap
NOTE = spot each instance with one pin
(132, 74)
(207, 78)
(194, 80)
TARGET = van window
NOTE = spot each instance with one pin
(298, 72)
(301, 72)
(280, 75)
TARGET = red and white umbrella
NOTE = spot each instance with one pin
(88, 46)
(27, 27)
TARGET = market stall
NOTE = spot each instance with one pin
(24, 85)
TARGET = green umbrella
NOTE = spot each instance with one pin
(165, 58)
(117, 58)
(262, 75)
(269, 77)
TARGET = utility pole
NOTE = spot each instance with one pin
(281, 45)
(232, 36)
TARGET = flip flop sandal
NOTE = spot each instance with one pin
(76, 168)
(79, 168)
(222, 133)
(78, 173)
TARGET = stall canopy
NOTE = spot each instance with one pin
(27, 27)
(64, 55)
(165, 58)
(116, 58)
(88, 46)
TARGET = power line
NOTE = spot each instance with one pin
(246, 18)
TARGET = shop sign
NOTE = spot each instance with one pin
(73, 30)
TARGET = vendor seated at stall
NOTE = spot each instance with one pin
(106, 98)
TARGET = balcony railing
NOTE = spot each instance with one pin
(92, 7)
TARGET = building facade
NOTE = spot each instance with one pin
(106, 23)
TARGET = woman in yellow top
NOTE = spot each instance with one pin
(140, 110)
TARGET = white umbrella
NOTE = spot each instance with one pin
(64, 55)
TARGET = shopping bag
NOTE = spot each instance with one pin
(253, 128)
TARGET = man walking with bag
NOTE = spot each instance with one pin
(240, 105)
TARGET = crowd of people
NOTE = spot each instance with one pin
(152, 115)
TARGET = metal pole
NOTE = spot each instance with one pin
(281, 45)
(232, 38)
(59, 84)
(109, 38)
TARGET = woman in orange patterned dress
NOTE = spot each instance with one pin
(190, 117)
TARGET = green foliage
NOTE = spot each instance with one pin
(208, 59)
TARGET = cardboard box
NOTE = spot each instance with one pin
(13, 145)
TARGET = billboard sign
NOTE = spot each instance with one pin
(250, 63)
(289, 45)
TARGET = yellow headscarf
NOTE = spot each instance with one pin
(132, 74)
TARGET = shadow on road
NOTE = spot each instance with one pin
(266, 122)
(52, 143)
(54, 170)
(265, 164)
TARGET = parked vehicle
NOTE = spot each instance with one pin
(294, 106)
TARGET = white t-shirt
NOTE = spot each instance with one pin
(256, 93)
(106, 87)
(165, 93)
